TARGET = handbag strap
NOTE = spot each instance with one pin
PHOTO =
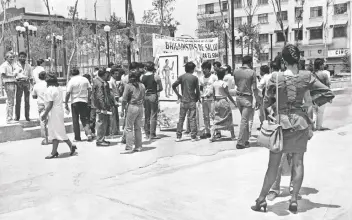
(277, 95)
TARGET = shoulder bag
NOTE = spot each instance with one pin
(271, 136)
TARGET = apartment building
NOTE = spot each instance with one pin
(321, 28)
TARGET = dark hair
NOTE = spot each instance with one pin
(141, 65)
(96, 68)
(75, 72)
(326, 67)
(228, 68)
(22, 53)
(40, 62)
(189, 67)
(317, 63)
(42, 75)
(88, 77)
(134, 78)
(291, 54)
(113, 70)
(110, 64)
(121, 71)
(265, 69)
(118, 66)
(221, 73)
(51, 80)
(206, 65)
(101, 73)
(276, 64)
(247, 60)
(217, 64)
(150, 66)
(133, 65)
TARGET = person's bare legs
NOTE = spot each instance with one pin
(55, 146)
(71, 146)
(297, 174)
(271, 174)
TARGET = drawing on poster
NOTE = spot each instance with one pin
(168, 72)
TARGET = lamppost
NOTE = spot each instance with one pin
(271, 46)
(30, 30)
(56, 40)
(107, 30)
(226, 26)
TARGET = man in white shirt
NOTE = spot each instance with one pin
(206, 82)
(265, 77)
(39, 94)
(79, 89)
(38, 69)
(8, 77)
(23, 72)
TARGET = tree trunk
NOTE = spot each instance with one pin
(161, 16)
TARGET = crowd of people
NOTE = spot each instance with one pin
(216, 91)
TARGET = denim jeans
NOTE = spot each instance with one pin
(102, 124)
(22, 87)
(244, 104)
(92, 119)
(134, 118)
(10, 89)
(114, 126)
(150, 114)
(207, 111)
(80, 111)
(191, 108)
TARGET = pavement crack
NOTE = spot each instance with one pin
(122, 203)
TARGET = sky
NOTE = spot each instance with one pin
(185, 12)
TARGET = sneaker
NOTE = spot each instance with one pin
(102, 144)
(178, 139)
(90, 139)
(138, 149)
(12, 122)
(272, 195)
(128, 148)
(234, 138)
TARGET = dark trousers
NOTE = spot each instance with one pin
(150, 114)
(114, 125)
(92, 119)
(102, 124)
(191, 108)
(22, 87)
(80, 111)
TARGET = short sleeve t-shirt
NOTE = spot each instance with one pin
(78, 87)
(207, 83)
(39, 91)
(189, 84)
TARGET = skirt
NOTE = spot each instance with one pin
(222, 115)
(295, 141)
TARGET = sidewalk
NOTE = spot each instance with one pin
(191, 187)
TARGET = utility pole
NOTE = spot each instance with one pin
(162, 17)
(233, 33)
(96, 30)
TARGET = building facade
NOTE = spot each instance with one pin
(320, 28)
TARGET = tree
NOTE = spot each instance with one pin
(278, 13)
(299, 19)
(4, 6)
(347, 62)
(161, 14)
(47, 6)
(74, 46)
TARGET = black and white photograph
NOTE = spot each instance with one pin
(175, 109)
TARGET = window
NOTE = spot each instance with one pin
(340, 32)
(316, 12)
(263, 18)
(264, 56)
(238, 21)
(263, 38)
(262, 2)
(209, 9)
(316, 34)
(210, 25)
(280, 36)
(340, 9)
(238, 3)
(283, 15)
(238, 58)
(225, 20)
(224, 6)
(298, 13)
(298, 35)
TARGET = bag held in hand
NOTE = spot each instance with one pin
(271, 136)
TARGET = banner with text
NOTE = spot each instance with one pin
(165, 44)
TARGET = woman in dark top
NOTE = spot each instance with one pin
(294, 99)
(152, 85)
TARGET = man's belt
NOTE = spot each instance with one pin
(242, 94)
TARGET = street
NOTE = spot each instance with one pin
(170, 180)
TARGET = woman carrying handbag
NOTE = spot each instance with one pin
(290, 92)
